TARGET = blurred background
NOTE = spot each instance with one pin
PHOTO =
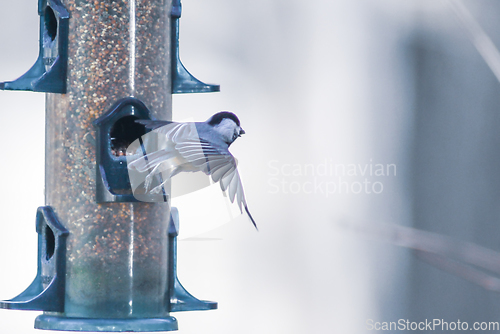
(358, 113)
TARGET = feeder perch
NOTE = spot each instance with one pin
(180, 299)
(182, 80)
(48, 74)
(46, 292)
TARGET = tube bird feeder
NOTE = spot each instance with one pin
(106, 261)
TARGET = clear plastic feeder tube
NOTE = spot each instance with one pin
(117, 259)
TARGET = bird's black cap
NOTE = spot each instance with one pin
(217, 118)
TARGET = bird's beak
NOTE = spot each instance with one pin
(242, 132)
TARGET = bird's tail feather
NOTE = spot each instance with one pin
(251, 218)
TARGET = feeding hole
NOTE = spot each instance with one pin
(50, 23)
(123, 133)
(50, 243)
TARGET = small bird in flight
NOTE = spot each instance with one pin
(190, 147)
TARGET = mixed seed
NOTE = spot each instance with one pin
(117, 49)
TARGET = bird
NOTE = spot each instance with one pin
(191, 147)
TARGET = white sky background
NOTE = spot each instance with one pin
(310, 81)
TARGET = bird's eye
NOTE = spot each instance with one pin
(235, 136)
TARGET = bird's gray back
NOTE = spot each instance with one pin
(207, 133)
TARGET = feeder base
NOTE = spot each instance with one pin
(60, 323)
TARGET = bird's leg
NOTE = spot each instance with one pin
(157, 189)
(149, 177)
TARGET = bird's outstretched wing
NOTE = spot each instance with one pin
(153, 148)
(178, 147)
(220, 164)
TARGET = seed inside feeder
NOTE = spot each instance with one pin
(123, 133)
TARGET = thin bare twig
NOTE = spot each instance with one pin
(478, 36)
(458, 257)
(472, 275)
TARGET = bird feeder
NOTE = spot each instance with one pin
(106, 261)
